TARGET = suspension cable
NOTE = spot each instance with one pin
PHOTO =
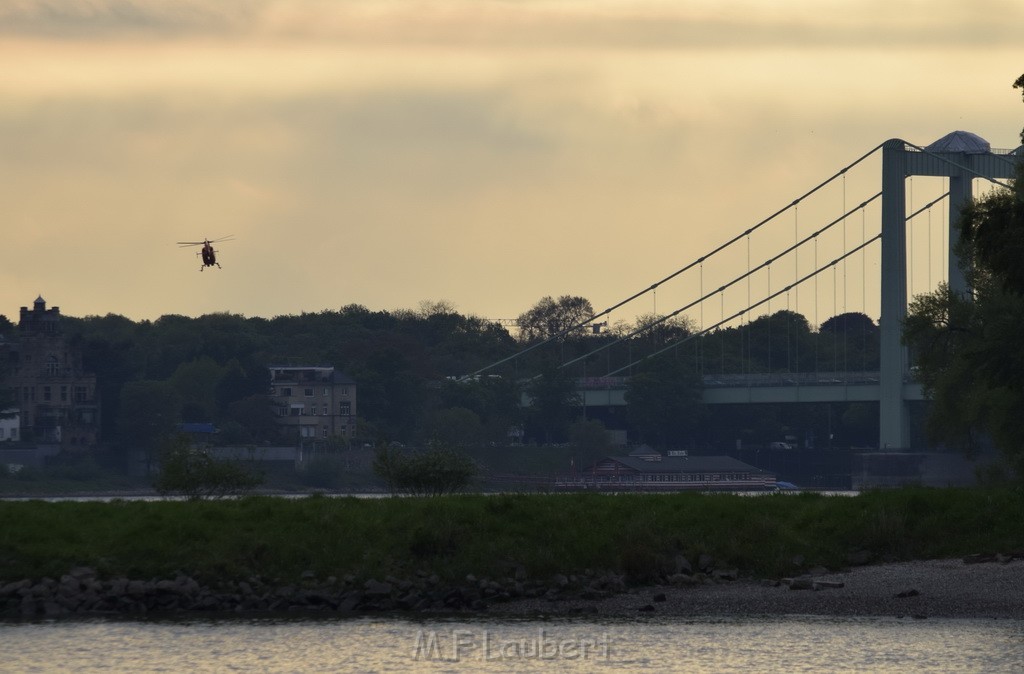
(687, 267)
(811, 237)
(683, 340)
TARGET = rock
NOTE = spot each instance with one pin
(646, 608)
(726, 574)
(979, 558)
(906, 593)
(349, 602)
(828, 584)
(375, 588)
(683, 565)
(81, 573)
(682, 580)
(800, 583)
(705, 562)
(660, 597)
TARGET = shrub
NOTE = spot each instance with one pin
(190, 471)
(436, 471)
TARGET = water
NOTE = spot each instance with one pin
(782, 644)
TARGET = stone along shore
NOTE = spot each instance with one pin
(977, 586)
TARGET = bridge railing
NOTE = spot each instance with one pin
(749, 379)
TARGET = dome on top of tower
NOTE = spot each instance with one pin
(40, 301)
(960, 141)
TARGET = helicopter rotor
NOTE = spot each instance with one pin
(184, 244)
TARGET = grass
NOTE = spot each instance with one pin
(636, 534)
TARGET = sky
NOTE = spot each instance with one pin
(480, 153)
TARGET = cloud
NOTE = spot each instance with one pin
(536, 24)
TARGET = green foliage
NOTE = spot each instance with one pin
(664, 401)
(149, 411)
(438, 470)
(967, 349)
(191, 472)
(551, 318)
(454, 426)
(589, 434)
(554, 403)
(218, 541)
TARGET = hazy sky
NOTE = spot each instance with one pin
(482, 152)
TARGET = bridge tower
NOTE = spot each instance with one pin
(960, 156)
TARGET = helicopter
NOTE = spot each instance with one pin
(207, 251)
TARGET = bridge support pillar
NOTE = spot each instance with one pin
(962, 157)
(961, 193)
(893, 417)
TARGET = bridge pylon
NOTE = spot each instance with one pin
(962, 157)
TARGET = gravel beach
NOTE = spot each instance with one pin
(948, 588)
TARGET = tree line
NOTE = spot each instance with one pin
(411, 370)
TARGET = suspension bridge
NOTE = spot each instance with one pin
(887, 218)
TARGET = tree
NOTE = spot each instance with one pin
(663, 401)
(555, 318)
(149, 412)
(554, 402)
(454, 426)
(191, 472)
(437, 471)
(256, 415)
(967, 349)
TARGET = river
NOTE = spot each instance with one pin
(623, 646)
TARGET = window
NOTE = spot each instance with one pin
(345, 408)
(327, 391)
(308, 392)
(46, 393)
(80, 394)
(314, 408)
(63, 394)
(52, 365)
(286, 391)
(325, 431)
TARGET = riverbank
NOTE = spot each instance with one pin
(976, 587)
(474, 552)
(943, 588)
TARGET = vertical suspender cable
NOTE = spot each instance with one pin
(910, 252)
(768, 270)
(817, 326)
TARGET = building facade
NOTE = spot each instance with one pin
(56, 399)
(314, 403)
(647, 470)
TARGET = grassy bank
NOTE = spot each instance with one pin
(639, 535)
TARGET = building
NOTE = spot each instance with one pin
(10, 425)
(647, 470)
(56, 398)
(313, 402)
